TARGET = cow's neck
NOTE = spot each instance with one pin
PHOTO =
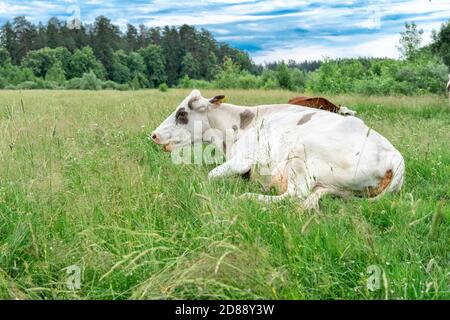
(225, 117)
(228, 118)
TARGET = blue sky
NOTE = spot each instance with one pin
(268, 29)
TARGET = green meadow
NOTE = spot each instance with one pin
(82, 186)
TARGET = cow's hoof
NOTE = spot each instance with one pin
(310, 204)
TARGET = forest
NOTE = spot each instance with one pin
(102, 56)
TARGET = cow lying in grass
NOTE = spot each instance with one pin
(321, 103)
(305, 152)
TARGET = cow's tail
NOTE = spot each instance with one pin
(397, 177)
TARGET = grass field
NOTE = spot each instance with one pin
(80, 184)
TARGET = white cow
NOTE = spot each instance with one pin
(305, 152)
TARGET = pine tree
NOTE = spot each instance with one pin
(53, 33)
(441, 43)
(155, 35)
(25, 34)
(106, 40)
(8, 40)
(173, 53)
(143, 36)
(131, 38)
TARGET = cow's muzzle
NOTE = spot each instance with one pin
(155, 137)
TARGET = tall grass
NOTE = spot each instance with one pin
(80, 184)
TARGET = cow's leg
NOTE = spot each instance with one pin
(298, 183)
(230, 168)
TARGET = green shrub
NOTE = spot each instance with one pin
(56, 73)
(163, 87)
(270, 84)
(284, 76)
(374, 86)
(123, 87)
(228, 76)
(268, 80)
(109, 85)
(43, 84)
(89, 81)
(135, 84)
(201, 84)
(15, 75)
(73, 84)
(27, 85)
(247, 81)
(3, 83)
(298, 79)
(141, 80)
(426, 74)
(185, 82)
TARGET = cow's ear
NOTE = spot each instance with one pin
(217, 100)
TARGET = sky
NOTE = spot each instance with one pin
(268, 29)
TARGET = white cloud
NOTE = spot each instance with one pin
(271, 29)
(308, 50)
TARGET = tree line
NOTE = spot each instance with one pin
(102, 56)
(151, 55)
(421, 70)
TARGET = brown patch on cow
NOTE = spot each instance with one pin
(246, 118)
(305, 119)
(316, 103)
(181, 117)
(372, 192)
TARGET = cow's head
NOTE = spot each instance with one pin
(187, 124)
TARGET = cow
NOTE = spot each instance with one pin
(306, 153)
(321, 103)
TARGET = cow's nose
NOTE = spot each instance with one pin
(155, 137)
